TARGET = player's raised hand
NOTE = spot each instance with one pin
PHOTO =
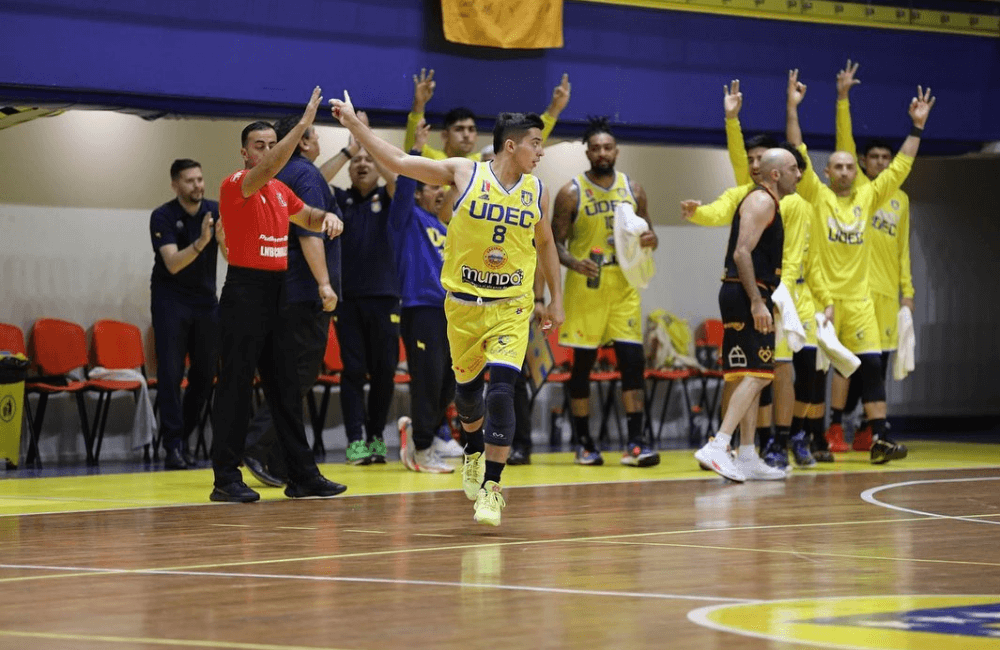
(796, 89)
(846, 79)
(310, 113)
(732, 99)
(423, 89)
(688, 208)
(920, 107)
(343, 110)
(560, 96)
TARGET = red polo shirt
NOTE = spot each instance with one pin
(256, 227)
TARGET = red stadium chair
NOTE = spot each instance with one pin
(115, 346)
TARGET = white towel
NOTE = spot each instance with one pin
(788, 324)
(635, 262)
(845, 361)
(905, 360)
(144, 422)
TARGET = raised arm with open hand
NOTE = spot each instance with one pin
(732, 99)
(920, 109)
(796, 93)
(846, 79)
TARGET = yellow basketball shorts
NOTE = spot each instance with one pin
(806, 309)
(886, 312)
(856, 325)
(494, 332)
(594, 317)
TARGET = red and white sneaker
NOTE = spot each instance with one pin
(835, 438)
(719, 461)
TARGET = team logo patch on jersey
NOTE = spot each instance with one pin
(526, 198)
(180, 225)
(590, 193)
(765, 354)
(912, 622)
(621, 192)
(485, 187)
(857, 212)
(737, 358)
(281, 200)
(495, 257)
(895, 204)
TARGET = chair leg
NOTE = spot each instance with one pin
(663, 411)
(33, 458)
(647, 407)
(88, 439)
(99, 434)
(694, 435)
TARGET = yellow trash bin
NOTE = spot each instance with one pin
(13, 368)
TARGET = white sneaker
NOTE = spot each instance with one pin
(427, 460)
(473, 474)
(447, 449)
(719, 461)
(406, 447)
(755, 469)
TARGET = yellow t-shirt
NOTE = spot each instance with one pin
(594, 222)
(490, 249)
(845, 258)
(889, 273)
(413, 119)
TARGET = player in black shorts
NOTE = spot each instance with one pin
(753, 270)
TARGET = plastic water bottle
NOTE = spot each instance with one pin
(597, 257)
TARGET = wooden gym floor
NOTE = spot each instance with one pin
(847, 556)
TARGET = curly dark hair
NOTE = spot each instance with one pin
(595, 125)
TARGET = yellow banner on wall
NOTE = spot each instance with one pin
(504, 23)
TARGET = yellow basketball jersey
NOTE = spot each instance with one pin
(594, 224)
(490, 249)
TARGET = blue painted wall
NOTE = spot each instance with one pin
(659, 73)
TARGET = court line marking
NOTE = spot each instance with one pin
(700, 617)
(459, 547)
(187, 643)
(847, 556)
(397, 581)
(868, 496)
(708, 477)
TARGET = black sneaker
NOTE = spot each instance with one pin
(174, 460)
(883, 450)
(519, 456)
(823, 456)
(317, 487)
(261, 473)
(235, 492)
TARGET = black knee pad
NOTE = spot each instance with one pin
(804, 362)
(631, 363)
(872, 387)
(500, 418)
(885, 364)
(579, 378)
(766, 395)
(469, 400)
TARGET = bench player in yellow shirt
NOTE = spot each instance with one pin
(459, 131)
(583, 222)
(499, 228)
(798, 397)
(846, 211)
(889, 275)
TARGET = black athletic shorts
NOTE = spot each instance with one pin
(745, 351)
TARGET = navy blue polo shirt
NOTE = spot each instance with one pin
(195, 283)
(418, 244)
(369, 269)
(305, 179)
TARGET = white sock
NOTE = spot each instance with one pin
(747, 452)
(722, 439)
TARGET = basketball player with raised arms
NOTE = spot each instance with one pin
(500, 217)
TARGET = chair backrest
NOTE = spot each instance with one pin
(713, 332)
(606, 359)
(708, 343)
(117, 345)
(331, 359)
(561, 355)
(57, 346)
(11, 338)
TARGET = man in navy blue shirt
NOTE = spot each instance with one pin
(367, 319)
(418, 238)
(312, 288)
(184, 306)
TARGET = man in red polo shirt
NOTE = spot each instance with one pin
(256, 209)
